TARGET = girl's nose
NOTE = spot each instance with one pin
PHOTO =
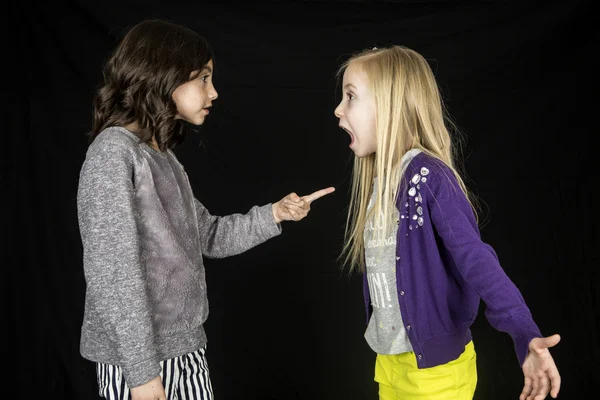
(338, 111)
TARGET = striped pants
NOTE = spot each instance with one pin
(184, 378)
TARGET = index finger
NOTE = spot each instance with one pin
(555, 381)
(318, 194)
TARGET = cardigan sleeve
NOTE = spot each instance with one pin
(477, 262)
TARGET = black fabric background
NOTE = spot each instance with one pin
(285, 323)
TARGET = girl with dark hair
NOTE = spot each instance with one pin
(143, 232)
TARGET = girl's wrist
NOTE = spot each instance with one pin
(275, 217)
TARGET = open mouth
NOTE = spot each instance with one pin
(349, 133)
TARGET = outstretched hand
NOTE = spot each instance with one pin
(541, 374)
(294, 208)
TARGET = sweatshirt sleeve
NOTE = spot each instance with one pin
(477, 262)
(236, 233)
(111, 256)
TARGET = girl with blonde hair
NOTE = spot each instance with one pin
(412, 232)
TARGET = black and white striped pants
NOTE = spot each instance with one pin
(184, 378)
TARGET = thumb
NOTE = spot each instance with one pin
(547, 342)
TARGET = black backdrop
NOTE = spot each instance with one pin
(520, 80)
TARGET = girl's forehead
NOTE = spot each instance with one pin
(354, 75)
(208, 67)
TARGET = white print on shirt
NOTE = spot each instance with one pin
(370, 227)
(391, 241)
(379, 284)
(379, 289)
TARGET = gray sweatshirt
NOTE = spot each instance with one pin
(144, 235)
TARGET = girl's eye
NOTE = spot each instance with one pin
(350, 96)
(205, 78)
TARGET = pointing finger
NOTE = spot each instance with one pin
(318, 194)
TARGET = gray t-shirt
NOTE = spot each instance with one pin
(385, 332)
(144, 237)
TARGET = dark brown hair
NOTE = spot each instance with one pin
(151, 61)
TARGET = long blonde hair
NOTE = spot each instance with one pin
(409, 114)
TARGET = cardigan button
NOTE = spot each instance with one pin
(420, 356)
(397, 258)
(402, 293)
(408, 327)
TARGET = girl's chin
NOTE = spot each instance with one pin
(357, 150)
(199, 120)
(361, 154)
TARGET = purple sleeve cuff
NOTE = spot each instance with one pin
(524, 330)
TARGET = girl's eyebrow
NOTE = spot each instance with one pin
(206, 68)
(347, 85)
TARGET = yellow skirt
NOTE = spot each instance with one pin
(400, 379)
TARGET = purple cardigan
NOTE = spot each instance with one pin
(443, 269)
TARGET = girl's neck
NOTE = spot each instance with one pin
(134, 127)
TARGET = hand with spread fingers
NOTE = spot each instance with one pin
(539, 369)
(294, 208)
